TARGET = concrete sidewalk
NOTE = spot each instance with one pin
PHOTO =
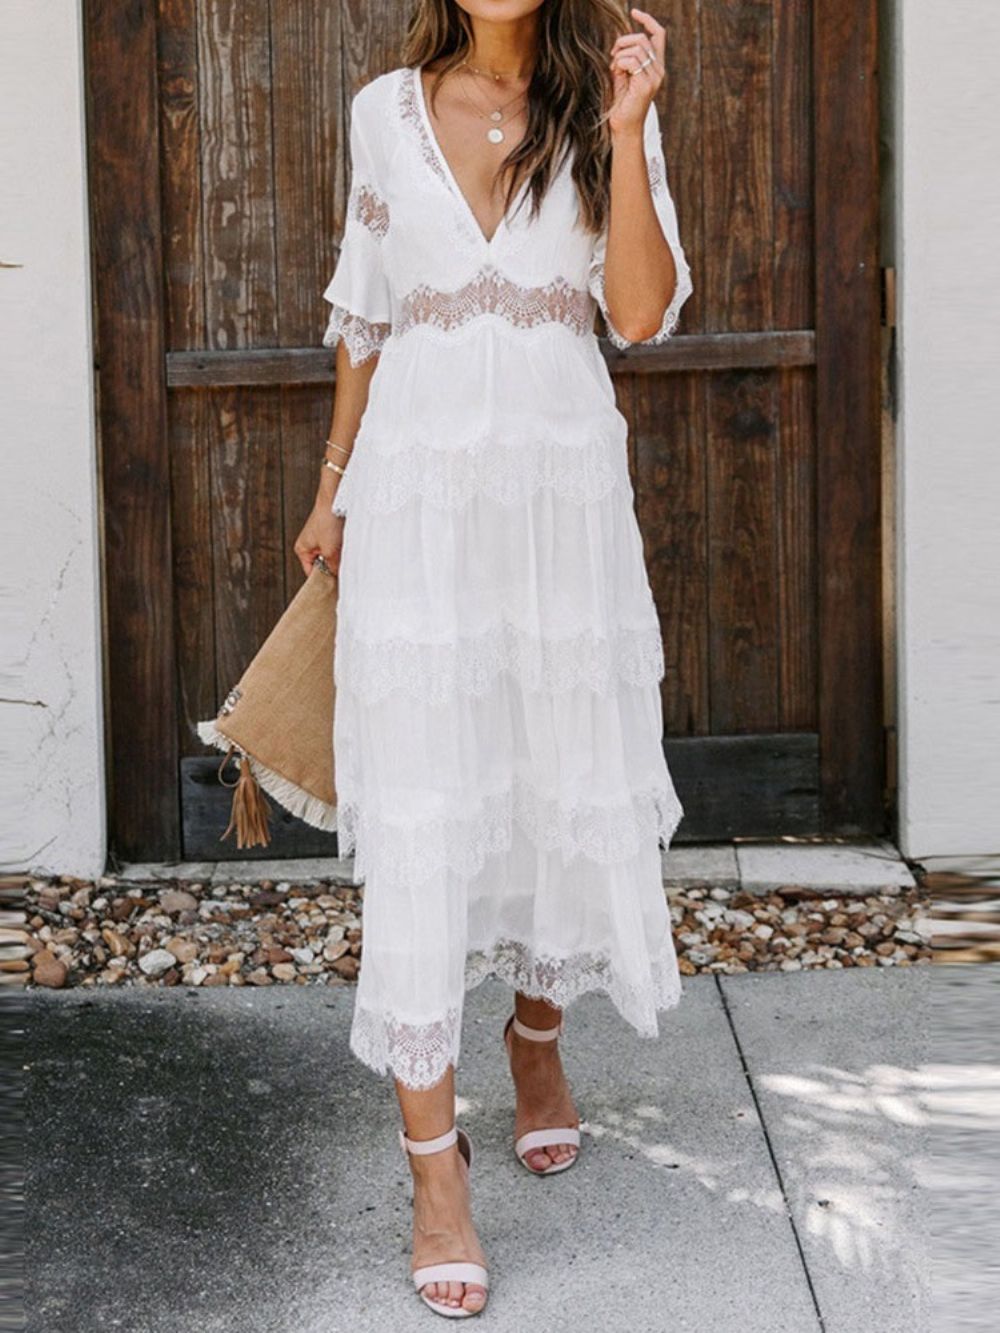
(218, 1161)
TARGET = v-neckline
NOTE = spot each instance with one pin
(446, 170)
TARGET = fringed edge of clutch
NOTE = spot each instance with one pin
(303, 804)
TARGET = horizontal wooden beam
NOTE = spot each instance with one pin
(314, 365)
(753, 785)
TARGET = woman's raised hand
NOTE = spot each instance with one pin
(637, 71)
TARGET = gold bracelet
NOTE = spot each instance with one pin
(330, 445)
(335, 466)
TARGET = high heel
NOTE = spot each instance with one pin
(542, 1138)
(452, 1270)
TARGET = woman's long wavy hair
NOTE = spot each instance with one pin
(568, 95)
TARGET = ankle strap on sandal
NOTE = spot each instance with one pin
(538, 1034)
(419, 1146)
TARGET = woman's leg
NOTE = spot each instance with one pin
(544, 1099)
(442, 1212)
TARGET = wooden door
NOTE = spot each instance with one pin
(219, 173)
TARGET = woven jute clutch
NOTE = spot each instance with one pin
(278, 718)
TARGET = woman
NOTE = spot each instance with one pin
(500, 770)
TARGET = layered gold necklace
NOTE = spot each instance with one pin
(494, 115)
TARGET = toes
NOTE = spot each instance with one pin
(475, 1296)
(539, 1159)
(454, 1293)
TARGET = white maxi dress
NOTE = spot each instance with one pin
(498, 729)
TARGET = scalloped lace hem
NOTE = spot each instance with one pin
(382, 481)
(671, 315)
(437, 672)
(419, 1054)
(363, 338)
(603, 833)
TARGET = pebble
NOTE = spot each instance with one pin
(174, 901)
(156, 962)
(49, 971)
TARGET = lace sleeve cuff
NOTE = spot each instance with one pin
(363, 338)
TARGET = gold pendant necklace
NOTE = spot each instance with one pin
(494, 134)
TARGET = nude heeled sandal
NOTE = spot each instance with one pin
(542, 1138)
(453, 1270)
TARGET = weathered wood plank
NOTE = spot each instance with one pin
(740, 408)
(243, 425)
(184, 286)
(668, 431)
(180, 155)
(307, 97)
(314, 365)
(237, 174)
(847, 411)
(124, 170)
(681, 106)
(193, 562)
(736, 165)
(742, 612)
(794, 307)
(247, 537)
(667, 410)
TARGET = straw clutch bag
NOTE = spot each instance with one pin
(279, 718)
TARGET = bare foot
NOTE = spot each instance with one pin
(543, 1096)
(442, 1224)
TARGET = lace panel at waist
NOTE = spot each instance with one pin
(489, 293)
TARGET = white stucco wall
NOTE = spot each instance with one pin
(948, 452)
(51, 752)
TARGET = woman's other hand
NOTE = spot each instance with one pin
(322, 534)
(635, 82)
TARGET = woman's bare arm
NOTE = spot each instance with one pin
(640, 275)
(322, 532)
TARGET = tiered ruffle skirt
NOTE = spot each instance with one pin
(498, 727)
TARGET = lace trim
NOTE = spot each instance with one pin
(489, 293)
(419, 1054)
(436, 672)
(563, 980)
(603, 833)
(409, 110)
(670, 318)
(362, 338)
(656, 173)
(384, 481)
(366, 206)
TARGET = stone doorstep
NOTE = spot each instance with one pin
(858, 868)
(863, 867)
(842, 868)
(302, 870)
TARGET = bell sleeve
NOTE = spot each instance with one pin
(667, 214)
(358, 292)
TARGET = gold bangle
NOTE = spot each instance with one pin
(330, 445)
(326, 462)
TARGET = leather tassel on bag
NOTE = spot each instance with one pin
(250, 810)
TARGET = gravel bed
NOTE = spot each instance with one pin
(112, 932)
